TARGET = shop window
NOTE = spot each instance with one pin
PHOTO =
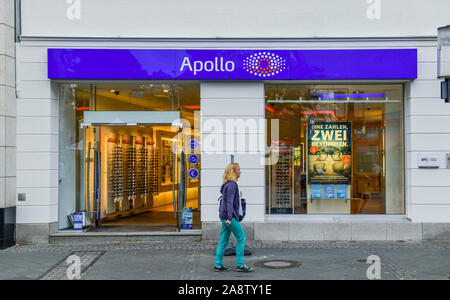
(127, 174)
(340, 149)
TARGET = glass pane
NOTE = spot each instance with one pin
(125, 174)
(371, 133)
(367, 159)
(351, 141)
(159, 97)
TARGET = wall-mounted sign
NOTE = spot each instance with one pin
(193, 173)
(193, 159)
(208, 64)
(329, 153)
(428, 161)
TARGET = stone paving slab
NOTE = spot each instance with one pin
(421, 264)
(138, 265)
(63, 270)
(319, 264)
(31, 265)
(194, 260)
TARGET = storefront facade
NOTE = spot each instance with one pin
(329, 132)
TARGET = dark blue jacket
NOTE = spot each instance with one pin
(229, 205)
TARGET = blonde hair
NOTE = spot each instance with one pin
(229, 173)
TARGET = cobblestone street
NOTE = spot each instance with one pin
(194, 260)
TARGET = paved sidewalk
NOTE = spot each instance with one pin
(194, 260)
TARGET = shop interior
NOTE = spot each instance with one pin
(128, 177)
(375, 168)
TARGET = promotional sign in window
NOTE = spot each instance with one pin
(329, 191)
(316, 191)
(341, 191)
(329, 153)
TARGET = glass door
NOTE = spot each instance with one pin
(137, 176)
(116, 162)
(368, 194)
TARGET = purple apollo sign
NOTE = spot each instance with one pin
(173, 64)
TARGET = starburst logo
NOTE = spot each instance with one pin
(264, 64)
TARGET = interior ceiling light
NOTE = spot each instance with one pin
(270, 109)
(82, 108)
(115, 92)
(356, 95)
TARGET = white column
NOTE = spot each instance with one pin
(233, 122)
(7, 123)
(427, 131)
(37, 140)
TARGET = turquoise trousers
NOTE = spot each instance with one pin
(238, 232)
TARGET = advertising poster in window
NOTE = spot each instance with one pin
(329, 153)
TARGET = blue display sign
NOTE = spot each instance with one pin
(78, 221)
(193, 144)
(187, 218)
(193, 173)
(193, 159)
(220, 64)
(316, 191)
(329, 191)
(341, 191)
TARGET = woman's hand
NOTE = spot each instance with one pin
(228, 222)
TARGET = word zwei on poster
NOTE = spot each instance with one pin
(329, 153)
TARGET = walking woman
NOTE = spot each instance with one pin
(229, 211)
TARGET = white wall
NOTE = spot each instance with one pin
(7, 108)
(222, 101)
(428, 130)
(233, 18)
(37, 138)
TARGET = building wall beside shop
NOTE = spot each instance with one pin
(37, 141)
(235, 19)
(54, 24)
(37, 147)
(223, 105)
